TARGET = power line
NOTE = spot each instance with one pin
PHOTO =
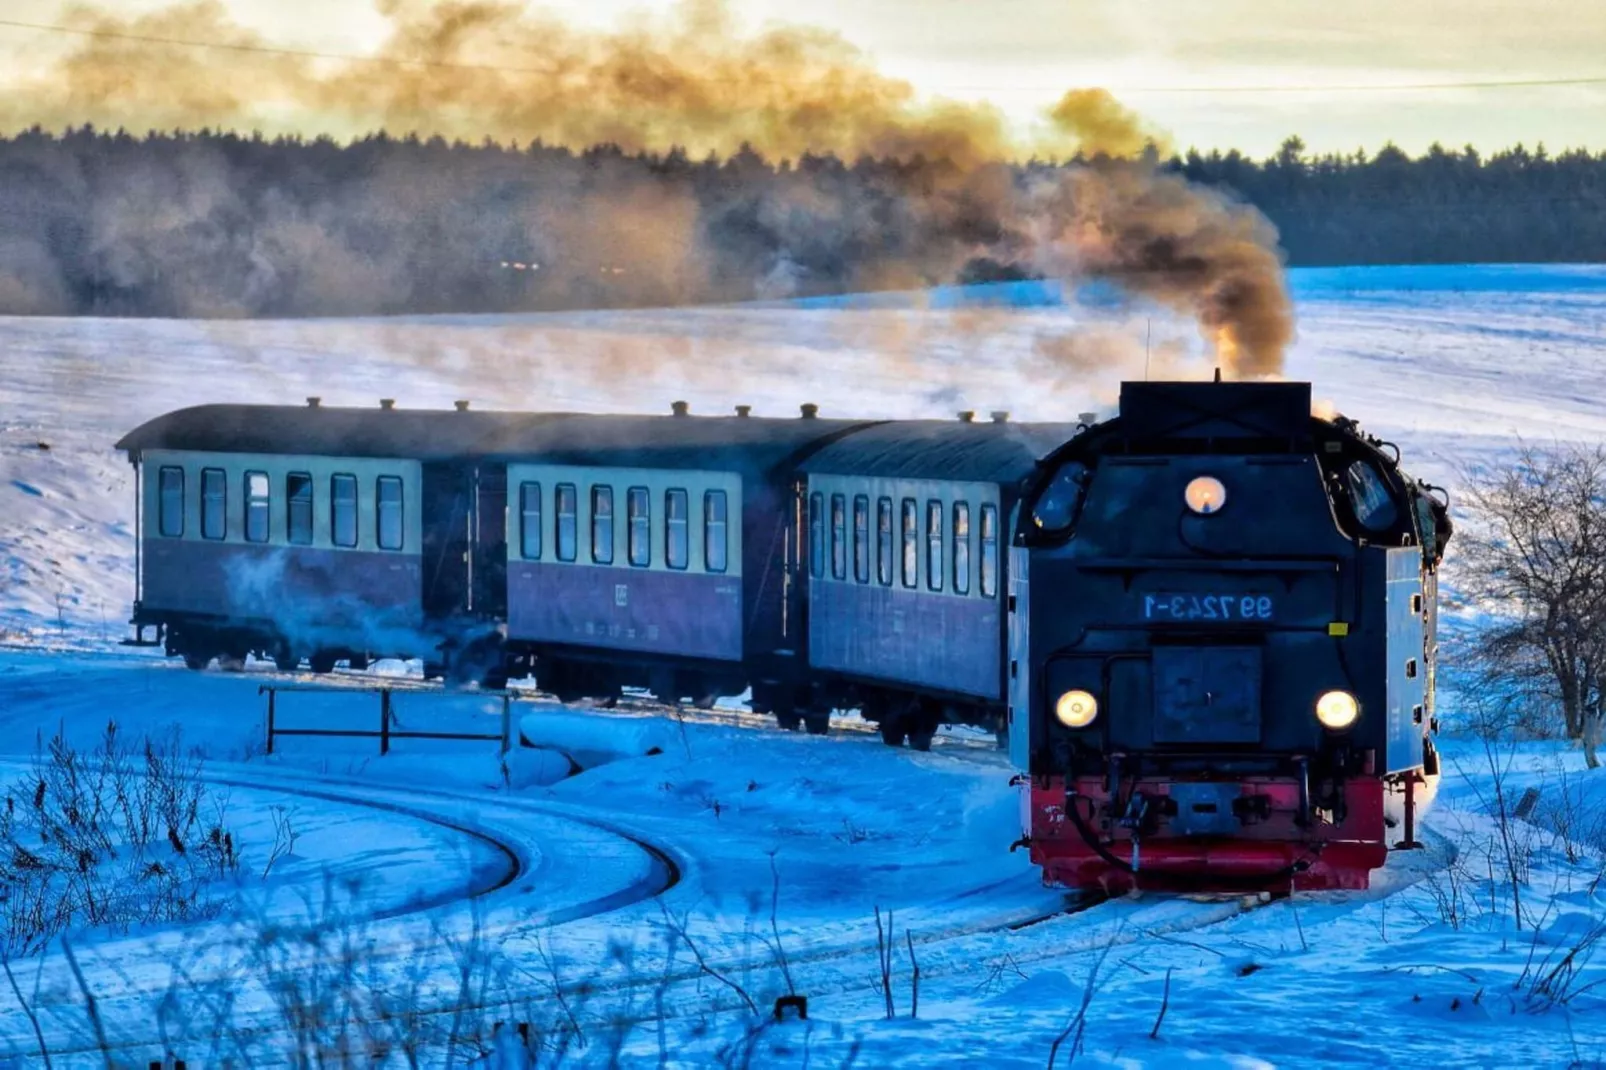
(1199, 90)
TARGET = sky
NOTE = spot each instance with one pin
(1209, 73)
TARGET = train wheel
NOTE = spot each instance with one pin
(285, 661)
(231, 662)
(197, 660)
(322, 662)
(817, 722)
(789, 719)
(920, 738)
(892, 732)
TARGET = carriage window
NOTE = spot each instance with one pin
(343, 510)
(565, 505)
(214, 503)
(839, 537)
(883, 541)
(961, 547)
(257, 493)
(602, 525)
(715, 548)
(934, 545)
(171, 485)
(1370, 495)
(530, 521)
(388, 520)
(817, 535)
(911, 543)
(677, 539)
(638, 506)
(298, 492)
(989, 551)
(861, 538)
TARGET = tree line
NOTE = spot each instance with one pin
(222, 224)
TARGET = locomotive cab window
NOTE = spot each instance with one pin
(677, 534)
(817, 535)
(839, 537)
(1369, 494)
(861, 538)
(530, 521)
(388, 516)
(989, 551)
(343, 510)
(298, 520)
(565, 505)
(1060, 502)
(602, 525)
(883, 542)
(934, 545)
(638, 507)
(716, 547)
(258, 492)
(170, 486)
(214, 503)
(961, 547)
(911, 543)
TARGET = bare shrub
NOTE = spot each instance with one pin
(115, 837)
(1537, 558)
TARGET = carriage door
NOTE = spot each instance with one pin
(447, 513)
(488, 564)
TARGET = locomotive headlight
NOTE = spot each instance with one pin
(1076, 709)
(1337, 709)
(1205, 495)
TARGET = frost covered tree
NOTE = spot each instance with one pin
(1536, 559)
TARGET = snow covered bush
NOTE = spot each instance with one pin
(117, 837)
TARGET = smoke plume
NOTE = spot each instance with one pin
(476, 69)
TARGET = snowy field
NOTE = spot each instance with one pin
(649, 910)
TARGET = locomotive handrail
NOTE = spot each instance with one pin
(1190, 564)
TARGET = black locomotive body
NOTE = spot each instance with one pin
(1223, 633)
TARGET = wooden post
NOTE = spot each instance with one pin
(271, 694)
(384, 721)
(507, 723)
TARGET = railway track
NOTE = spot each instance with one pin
(523, 867)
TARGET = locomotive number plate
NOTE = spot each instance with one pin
(1163, 605)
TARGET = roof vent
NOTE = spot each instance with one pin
(1089, 418)
(680, 408)
(999, 416)
(744, 411)
(460, 405)
(387, 403)
(809, 410)
(967, 417)
(313, 403)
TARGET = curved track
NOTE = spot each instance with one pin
(553, 867)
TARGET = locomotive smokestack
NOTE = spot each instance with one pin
(968, 416)
(1088, 418)
(744, 411)
(809, 410)
(313, 403)
(680, 408)
(460, 405)
(999, 416)
(387, 403)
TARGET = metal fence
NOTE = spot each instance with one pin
(385, 733)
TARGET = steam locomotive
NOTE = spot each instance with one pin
(1225, 643)
(1205, 625)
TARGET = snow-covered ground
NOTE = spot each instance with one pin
(738, 847)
